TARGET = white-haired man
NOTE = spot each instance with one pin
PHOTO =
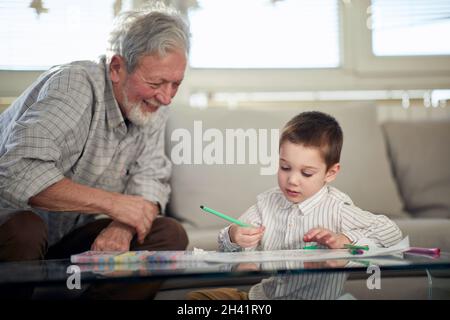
(86, 140)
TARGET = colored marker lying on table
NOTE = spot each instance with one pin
(224, 216)
(352, 246)
(428, 251)
(354, 249)
(312, 247)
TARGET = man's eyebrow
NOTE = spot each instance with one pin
(151, 79)
(162, 80)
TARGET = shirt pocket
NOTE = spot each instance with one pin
(116, 175)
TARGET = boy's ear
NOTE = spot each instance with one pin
(332, 172)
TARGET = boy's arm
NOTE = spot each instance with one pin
(357, 224)
(225, 243)
(251, 216)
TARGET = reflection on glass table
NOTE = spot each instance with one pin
(292, 278)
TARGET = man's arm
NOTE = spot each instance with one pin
(66, 195)
(47, 126)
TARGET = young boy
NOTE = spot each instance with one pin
(304, 208)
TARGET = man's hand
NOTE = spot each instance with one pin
(246, 237)
(68, 196)
(326, 238)
(134, 211)
(115, 237)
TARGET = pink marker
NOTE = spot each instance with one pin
(429, 251)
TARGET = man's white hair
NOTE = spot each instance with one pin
(155, 29)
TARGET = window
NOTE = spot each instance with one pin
(410, 28)
(247, 46)
(401, 41)
(36, 34)
(265, 34)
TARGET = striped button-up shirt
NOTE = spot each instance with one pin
(304, 286)
(286, 222)
(68, 124)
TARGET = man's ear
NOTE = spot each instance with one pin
(117, 68)
(332, 172)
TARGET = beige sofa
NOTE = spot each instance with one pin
(401, 169)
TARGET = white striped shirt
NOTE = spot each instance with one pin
(286, 222)
(305, 286)
(68, 124)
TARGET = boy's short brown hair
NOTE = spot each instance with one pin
(316, 129)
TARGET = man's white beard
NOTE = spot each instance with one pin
(135, 113)
(137, 116)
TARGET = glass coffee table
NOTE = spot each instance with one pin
(332, 279)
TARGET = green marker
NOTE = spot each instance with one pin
(224, 216)
(313, 247)
(352, 246)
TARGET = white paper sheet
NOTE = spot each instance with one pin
(301, 254)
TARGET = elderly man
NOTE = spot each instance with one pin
(86, 141)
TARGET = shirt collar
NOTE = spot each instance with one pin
(309, 204)
(284, 203)
(114, 117)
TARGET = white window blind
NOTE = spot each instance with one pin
(265, 34)
(70, 30)
(410, 27)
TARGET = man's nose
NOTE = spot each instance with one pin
(165, 94)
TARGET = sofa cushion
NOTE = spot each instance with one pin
(232, 188)
(420, 156)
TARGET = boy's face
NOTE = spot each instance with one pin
(302, 171)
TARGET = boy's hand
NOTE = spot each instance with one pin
(327, 238)
(246, 237)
